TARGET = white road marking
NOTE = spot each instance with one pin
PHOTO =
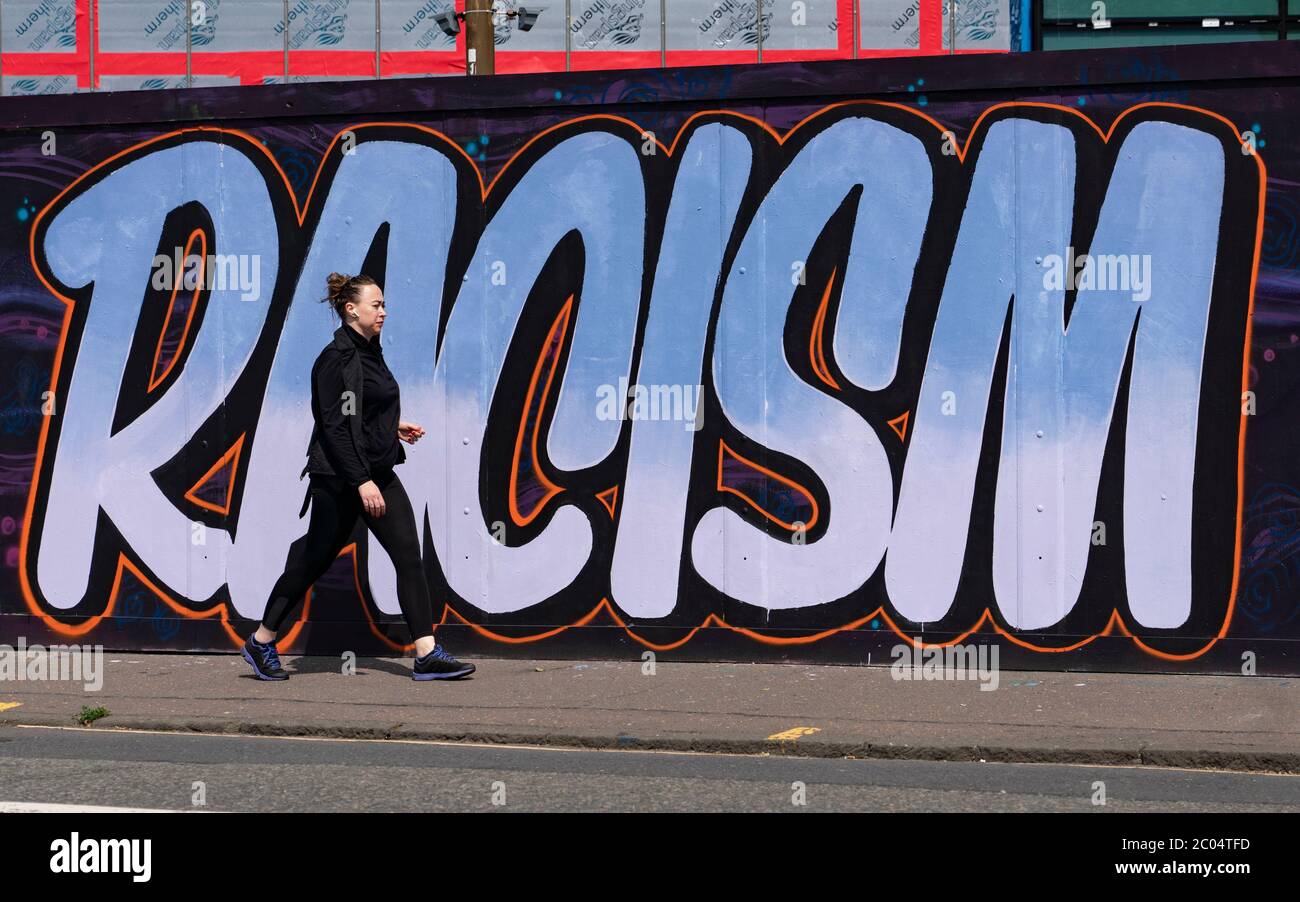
(55, 808)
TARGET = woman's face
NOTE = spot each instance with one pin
(369, 310)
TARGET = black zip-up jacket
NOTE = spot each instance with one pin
(339, 445)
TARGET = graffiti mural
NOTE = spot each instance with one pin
(701, 381)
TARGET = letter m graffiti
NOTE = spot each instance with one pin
(1077, 405)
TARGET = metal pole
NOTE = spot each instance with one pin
(286, 41)
(663, 33)
(379, 40)
(90, 19)
(568, 35)
(952, 26)
(480, 44)
(189, 44)
(855, 29)
(759, 7)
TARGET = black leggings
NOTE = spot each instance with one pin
(334, 510)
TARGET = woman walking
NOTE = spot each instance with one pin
(353, 450)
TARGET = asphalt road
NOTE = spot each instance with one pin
(45, 767)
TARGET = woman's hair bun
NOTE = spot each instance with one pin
(343, 290)
(336, 282)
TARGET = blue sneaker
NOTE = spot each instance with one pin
(265, 661)
(438, 665)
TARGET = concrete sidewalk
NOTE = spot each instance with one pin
(1239, 723)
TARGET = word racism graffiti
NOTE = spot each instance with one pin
(902, 416)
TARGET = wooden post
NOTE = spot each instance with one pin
(480, 43)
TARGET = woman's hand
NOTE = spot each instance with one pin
(409, 432)
(372, 500)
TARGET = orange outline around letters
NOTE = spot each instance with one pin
(1116, 623)
(155, 376)
(611, 501)
(231, 456)
(816, 348)
(559, 327)
(723, 446)
(899, 424)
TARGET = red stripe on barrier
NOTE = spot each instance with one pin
(332, 62)
(417, 62)
(252, 67)
(931, 24)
